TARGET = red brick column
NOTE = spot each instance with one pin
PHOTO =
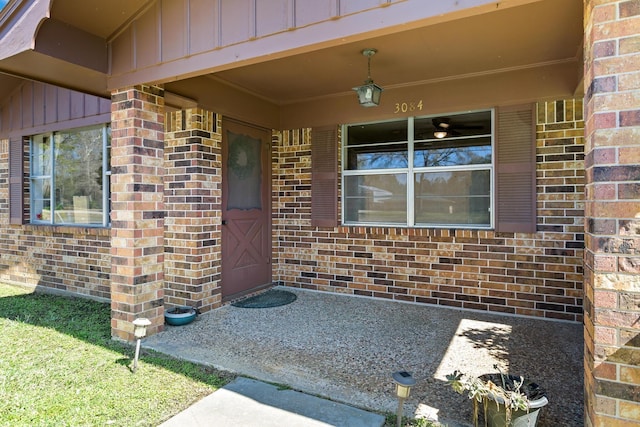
(137, 211)
(612, 211)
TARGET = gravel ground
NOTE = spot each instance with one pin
(345, 348)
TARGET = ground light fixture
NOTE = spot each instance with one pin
(404, 381)
(139, 331)
(369, 93)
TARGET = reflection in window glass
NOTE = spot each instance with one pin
(457, 197)
(454, 153)
(77, 159)
(376, 198)
(374, 133)
(377, 157)
(447, 160)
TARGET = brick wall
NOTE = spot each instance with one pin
(137, 209)
(192, 201)
(531, 274)
(73, 259)
(612, 254)
(536, 274)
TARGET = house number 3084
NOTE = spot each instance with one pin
(404, 107)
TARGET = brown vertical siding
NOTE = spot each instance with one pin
(33, 105)
(192, 37)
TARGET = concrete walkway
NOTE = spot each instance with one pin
(250, 403)
(345, 348)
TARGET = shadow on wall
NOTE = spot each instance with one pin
(625, 360)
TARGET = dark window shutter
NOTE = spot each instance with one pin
(16, 180)
(516, 170)
(324, 176)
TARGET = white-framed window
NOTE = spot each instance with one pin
(431, 171)
(69, 177)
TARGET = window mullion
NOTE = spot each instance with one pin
(410, 178)
(52, 182)
(106, 187)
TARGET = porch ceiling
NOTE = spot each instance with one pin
(533, 34)
(538, 34)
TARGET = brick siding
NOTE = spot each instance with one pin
(612, 257)
(68, 259)
(536, 274)
(137, 209)
(192, 201)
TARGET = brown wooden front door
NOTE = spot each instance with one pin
(246, 208)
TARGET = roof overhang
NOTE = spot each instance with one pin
(525, 48)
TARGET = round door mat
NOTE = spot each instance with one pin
(271, 298)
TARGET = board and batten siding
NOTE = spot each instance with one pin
(173, 29)
(35, 107)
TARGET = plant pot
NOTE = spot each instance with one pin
(181, 315)
(496, 412)
(497, 416)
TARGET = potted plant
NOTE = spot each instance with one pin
(180, 315)
(507, 400)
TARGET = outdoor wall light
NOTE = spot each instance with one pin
(404, 381)
(139, 331)
(369, 93)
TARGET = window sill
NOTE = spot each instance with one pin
(421, 226)
(68, 229)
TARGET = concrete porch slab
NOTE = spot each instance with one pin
(345, 348)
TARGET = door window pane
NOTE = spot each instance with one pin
(244, 172)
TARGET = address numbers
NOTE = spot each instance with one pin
(407, 107)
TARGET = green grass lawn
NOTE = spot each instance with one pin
(60, 367)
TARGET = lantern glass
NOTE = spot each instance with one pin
(140, 327)
(404, 381)
(369, 94)
(402, 391)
